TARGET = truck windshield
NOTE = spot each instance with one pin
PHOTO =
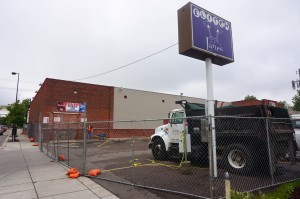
(194, 106)
(177, 118)
(296, 123)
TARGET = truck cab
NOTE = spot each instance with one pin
(168, 134)
(167, 140)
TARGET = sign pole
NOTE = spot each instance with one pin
(211, 114)
(203, 35)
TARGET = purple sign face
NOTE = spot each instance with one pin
(211, 33)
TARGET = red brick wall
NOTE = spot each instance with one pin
(99, 99)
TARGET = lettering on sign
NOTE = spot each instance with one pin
(215, 27)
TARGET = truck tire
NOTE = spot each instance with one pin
(159, 149)
(239, 159)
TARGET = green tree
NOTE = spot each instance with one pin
(296, 101)
(17, 113)
(3, 120)
(250, 97)
(284, 103)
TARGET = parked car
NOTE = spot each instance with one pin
(3, 128)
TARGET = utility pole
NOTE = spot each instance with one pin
(15, 128)
(14, 73)
(296, 83)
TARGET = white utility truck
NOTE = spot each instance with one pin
(246, 136)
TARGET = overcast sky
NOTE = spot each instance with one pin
(74, 39)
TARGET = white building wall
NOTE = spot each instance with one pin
(132, 104)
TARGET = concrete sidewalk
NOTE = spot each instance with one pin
(27, 173)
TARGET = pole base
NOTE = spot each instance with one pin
(186, 168)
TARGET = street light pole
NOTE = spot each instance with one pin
(14, 73)
(15, 129)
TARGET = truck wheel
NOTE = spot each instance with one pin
(159, 149)
(239, 159)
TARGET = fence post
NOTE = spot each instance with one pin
(40, 137)
(47, 141)
(56, 154)
(68, 144)
(212, 166)
(40, 133)
(133, 159)
(185, 142)
(227, 186)
(84, 140)
(269, 151)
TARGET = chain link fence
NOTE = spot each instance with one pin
(174, 155)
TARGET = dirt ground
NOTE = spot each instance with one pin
(130, 162)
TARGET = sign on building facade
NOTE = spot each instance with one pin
(70, 107)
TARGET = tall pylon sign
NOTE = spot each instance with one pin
(208, 37)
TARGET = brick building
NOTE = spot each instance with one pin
(99, 99)
(104, 103)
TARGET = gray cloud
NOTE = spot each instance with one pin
(75, 39)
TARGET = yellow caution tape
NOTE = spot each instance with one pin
(102, 144)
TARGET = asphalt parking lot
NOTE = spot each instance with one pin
(131, 162)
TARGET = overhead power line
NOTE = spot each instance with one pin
(21, 80)
(124, 66)
(22, 89)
